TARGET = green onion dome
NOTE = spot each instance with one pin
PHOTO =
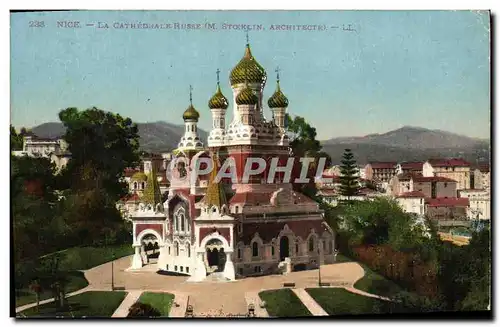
(278, 99)
(247, 96)
(218, 101)
(248, 69)
(139, 177)
(191, 113)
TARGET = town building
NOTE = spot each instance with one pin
(380, 172)
(54, 149)
(446, 209)
(412, 202)
(482, 177)
(456, 169)
(431, 187)
(414, 168)
(232, 228)
(479, 203)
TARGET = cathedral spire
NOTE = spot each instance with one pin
(215, 195)
(152, 194)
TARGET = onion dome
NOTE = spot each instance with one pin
(139, 177)
(191, 113)
(248, 69)
(218, 100)
(247, 96)
(278, 99)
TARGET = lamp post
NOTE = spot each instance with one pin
(112, 271)
(319, 263)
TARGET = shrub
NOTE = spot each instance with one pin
(143, 310)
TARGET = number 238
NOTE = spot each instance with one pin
(37, 23)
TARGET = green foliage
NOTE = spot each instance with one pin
(381, 221)
(338, 301)
(16, 140)
(162, 302)
(283, 303)
(304, 144)
(93, 304)
(377, 284)
(143, 310)
(349, 182)
(102, 145)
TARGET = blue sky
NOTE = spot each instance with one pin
(428, 69)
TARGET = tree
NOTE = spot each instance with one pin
(349, 182)
(16, 140)
(144, 310)
(102, 145)
(303, 143)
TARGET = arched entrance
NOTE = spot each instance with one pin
(284, 248)
(215, 255)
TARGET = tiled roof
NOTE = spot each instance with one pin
(383, 165)
(256, 199)
(421, 179)
(447, 202)
(455, 162)
(412, 194)
(269, 230)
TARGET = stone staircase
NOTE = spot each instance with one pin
(216, 277)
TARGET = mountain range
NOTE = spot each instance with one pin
(404, 144)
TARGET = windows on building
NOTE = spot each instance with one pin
(272, 250)
(297, 249)
(187, 270)
(257, 269)
(188, 248)
(255, 249)
(311, 244)
(176, 249)
(239, 253)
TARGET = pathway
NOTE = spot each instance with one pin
(211, 299)
(130, 299)
(309, 302)
(360, 292)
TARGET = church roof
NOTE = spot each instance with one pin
(269, 230)
(152, 194)
(215, 194)
(248, 70)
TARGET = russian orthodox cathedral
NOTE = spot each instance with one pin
(230, 228)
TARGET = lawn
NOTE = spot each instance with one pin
(377, 284)
(283, 303)
(88, 304)
(83, 258)
(160, 301)
(72, 260)
(338, 301)
(76, 281)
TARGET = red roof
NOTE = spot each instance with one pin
(269, 230)
(422, 179)
(447, 202)
(256, 199)
(335, 178)
(412, 165)
(412, 194)
(456, 162)
(383, 165)
(134, 197)
(129, 172)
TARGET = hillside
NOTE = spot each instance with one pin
(404, 144)
(154, 137)
(410, 137)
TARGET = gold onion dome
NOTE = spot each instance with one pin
(247, 96)
(218, 100)
(139, 176)
(191, 113)
(278, 99)
(248, 69)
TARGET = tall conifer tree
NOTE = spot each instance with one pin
(349, 182)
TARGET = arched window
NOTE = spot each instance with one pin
(183, 222)
(297, 248)
(255, 249)
(176, 248)
(135, 185)
(188, 248)
(272, 250)
(311, 244)
(239, 253)
(143, 185)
